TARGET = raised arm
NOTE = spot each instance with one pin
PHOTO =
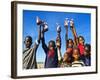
(74, 32)
(58, 43)
(44, 46)
(44, 27)
(37, 42)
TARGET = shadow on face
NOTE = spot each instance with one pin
(87, 50)
(70, 43)
(81, 40)
(51, 45)
(76, 54)
(28, 42)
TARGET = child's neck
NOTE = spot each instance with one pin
(76, 59)
(27, 47)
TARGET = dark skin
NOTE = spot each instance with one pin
(76, 54)
(66, 58)
(87, 50)
(28, 39)
(81, 40)
(51, 59)
(28, 42)
(70, 43)
(51, 44)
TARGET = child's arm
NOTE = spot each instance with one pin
(58, 44)
(39, 34)
(72, 26)
(37, 42)
(59, 54)
(44, 46)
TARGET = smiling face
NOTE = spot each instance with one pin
(76, 54)
(81, 40)
(28, 42)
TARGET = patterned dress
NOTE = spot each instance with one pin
(29, 57)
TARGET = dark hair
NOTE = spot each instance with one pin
(88, 46)
(30, 38)
(76, 48)
(81, 37)
(70, 40)
(52, 41)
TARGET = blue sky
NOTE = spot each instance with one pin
(82, 24)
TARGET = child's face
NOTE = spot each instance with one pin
(65, 57)
(28, 42)
(86, 52)
(51, 46)
(70, 43)
(81, 41)
(75, 54)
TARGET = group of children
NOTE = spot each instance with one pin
(74, 56)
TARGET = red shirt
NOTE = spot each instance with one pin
(51, 53)
(81, 48)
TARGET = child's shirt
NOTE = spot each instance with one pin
(81, 48)
(51, 60)
(87, 60)
(79, 63)
(29, 57)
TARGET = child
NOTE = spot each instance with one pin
(87, 55)
(66, 62)
(81, 45)
(76, 58)
(29, 54)
(58, 46)
(51, 60)
(70, 46)
(70, 43)
(69, 50)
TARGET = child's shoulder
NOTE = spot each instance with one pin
(78, 63)
(27, 49)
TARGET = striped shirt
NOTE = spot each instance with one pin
(29, 57)
(78, 63)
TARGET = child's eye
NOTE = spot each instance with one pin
(27, 41)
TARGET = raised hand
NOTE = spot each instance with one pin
(58, 39)
(74, 32)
